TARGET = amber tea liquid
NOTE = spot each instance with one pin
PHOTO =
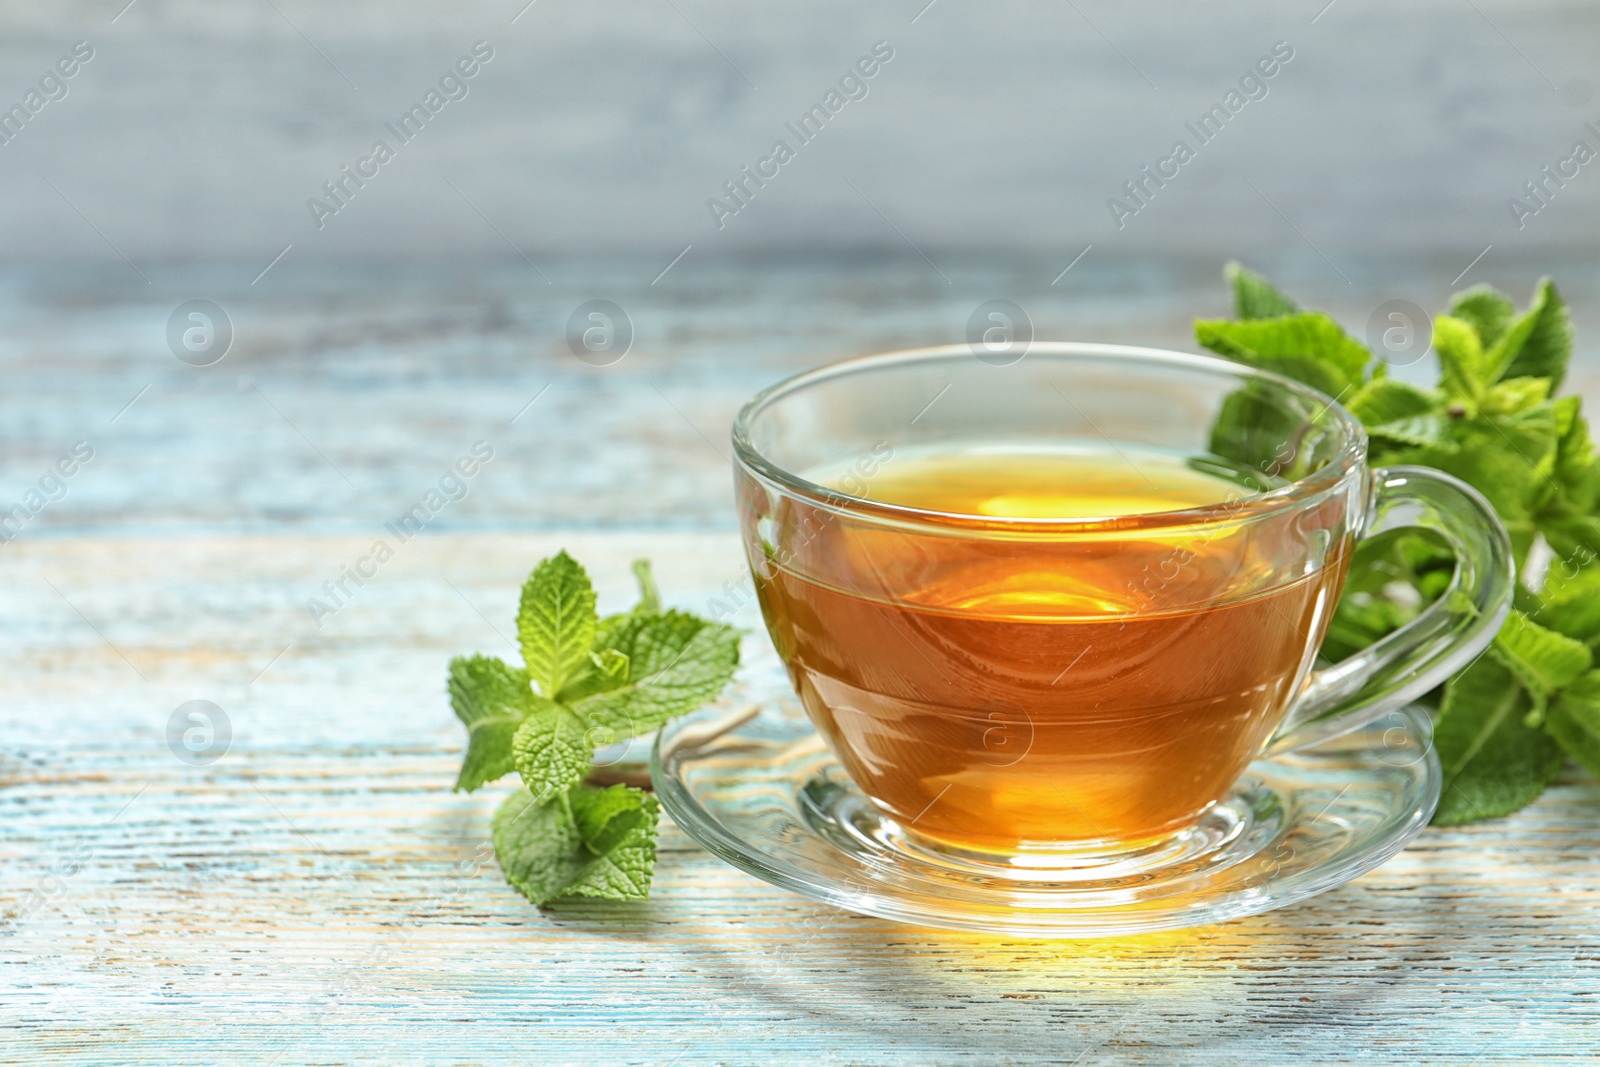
(1049, 692)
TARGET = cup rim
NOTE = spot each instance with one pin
(1232, 510)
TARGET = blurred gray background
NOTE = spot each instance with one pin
(576, 164)
(199, 129)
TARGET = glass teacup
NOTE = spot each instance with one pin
(1048, 612)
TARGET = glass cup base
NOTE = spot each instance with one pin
(1231, 831)
(769, 797)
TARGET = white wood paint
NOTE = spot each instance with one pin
(301, 900)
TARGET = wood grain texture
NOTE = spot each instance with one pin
(312, 897)
(349, 390)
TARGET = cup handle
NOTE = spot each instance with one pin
(1443, 638)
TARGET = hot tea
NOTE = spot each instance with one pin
(1020, 691)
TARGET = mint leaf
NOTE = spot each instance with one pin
(1500, 458)
(1359, 621)
(649, 595)
(587, 842)
(612, 664)
(1418, 431)
(618, 829)
(1495, 423)
(1574, 721)
(556, 622)
(1573, 469)
(1532, 431)
(551, 750)
(1542, 659)
(491, 699)
(1252, 428)
(625, 674)
(1574, 537)
(1515, 395)
(1401, 564)
(1498, 358)
(1463, 367)
(1307, 346)
(1543, 348)
(538, 845)
(1385, 400)
(1494, 763)
(1571, 600)
(676, 662)
(1253, 296)
(609, 665)
(1397, 414)
(1487, 309)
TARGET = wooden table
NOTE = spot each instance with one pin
(309, 896)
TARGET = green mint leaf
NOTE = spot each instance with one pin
(552, 750)
(1402, 556)
(610, 662)
(1571, 599)
(676, 662)
(1385, 400)
(1253, 296)
(1360, 620)
(1398, 415)
(623, 675)
(1498, 358)
(491, 699)
(538, 845)
(1574, 721)
(1573, 537)
(1539, 344)
(1543, 660)
(1307, 346)
(649, 595)
(556, 622)
(1494, 763)
(618, 828)
(1573, 468)
(1419, 431)
(607, 669)
(1494, 423)
(1488, 310)
(608, 815)
(587, 842)
(1515, 395)
(1463, 367)
(1533, 431)
(1252, 427)
(1500, 457)
(1575, 448)
(1392, 577)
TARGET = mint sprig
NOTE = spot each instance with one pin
(1508, 722)
(491, 699)
(588, 842)
(556, 622)
(587, 682)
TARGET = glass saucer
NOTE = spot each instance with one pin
(761, 790)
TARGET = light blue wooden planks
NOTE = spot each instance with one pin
(311, 895)
(303, 897)
(348, 392)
